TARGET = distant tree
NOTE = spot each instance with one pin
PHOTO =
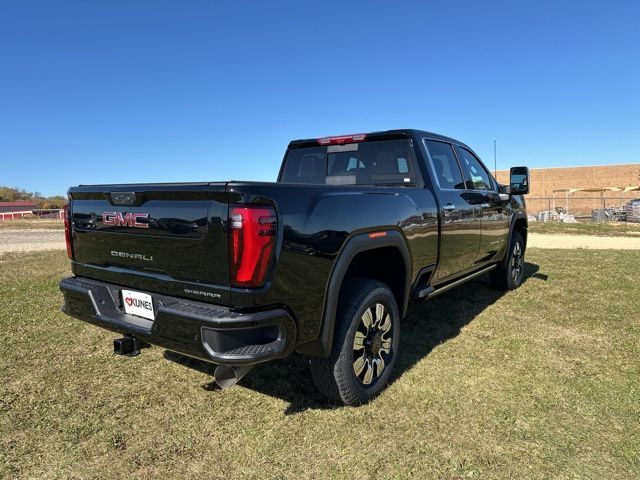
(12, 194)
(53, 202)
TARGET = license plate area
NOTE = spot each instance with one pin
(138, 304)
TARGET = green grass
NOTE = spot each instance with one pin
(49, 224)
(612, 229)
(542, 382)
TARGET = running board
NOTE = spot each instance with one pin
(430, 292)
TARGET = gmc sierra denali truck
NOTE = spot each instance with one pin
(324, 262)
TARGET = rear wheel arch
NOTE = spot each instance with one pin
(365, 347)
(384, 264)
(357, 260)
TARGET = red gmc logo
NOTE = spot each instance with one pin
(118, 219)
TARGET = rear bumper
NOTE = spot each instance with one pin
(201, 330)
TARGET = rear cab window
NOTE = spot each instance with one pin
(381, 162)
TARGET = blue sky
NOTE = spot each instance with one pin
(160, 91)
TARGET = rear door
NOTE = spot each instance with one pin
(459, 212)
(495, 215)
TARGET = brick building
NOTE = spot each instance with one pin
(549, 187)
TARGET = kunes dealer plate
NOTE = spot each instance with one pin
(138, 303)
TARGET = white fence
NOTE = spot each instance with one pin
(49, 213)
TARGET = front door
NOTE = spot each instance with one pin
(495, 215)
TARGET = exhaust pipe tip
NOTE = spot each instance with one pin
(226, 376)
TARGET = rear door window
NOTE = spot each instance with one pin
(445, 165)
(384, 162)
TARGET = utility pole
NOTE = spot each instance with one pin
(495, 161)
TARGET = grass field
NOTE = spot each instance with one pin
(542, 382)
(31, 223)
(612, 229)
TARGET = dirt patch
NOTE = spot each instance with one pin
(536, 240)
(31, 240)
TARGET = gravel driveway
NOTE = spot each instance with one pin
(538, 240)
(31, 240)
(34, 240)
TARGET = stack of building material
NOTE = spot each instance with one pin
(547, 216)
(566, 218)
(601, 214)
(608, 214)
(633, 211)
(620, 214)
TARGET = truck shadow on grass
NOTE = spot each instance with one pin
(426, 326)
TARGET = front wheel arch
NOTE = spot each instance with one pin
(511, 275)
(518, 224)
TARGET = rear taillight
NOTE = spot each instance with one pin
(67, 231)
(252, 241)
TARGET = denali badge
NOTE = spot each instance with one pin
(117, 219)
(134, 256)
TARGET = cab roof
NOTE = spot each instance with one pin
(372, 136)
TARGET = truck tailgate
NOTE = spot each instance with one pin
(173, 233)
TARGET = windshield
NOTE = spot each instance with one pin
(369, 163)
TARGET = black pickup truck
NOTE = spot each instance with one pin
(324, 262)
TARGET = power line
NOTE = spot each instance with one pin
(495, 160)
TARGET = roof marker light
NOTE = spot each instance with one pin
(342, 139)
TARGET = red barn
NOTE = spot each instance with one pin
(11, 210)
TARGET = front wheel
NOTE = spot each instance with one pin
(511, 276)
(365, 344)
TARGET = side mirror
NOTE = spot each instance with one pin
(519, 180)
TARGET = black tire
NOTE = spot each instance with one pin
(511, 276)
(335, 376)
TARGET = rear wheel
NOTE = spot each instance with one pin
(511, 276)
(365, 344)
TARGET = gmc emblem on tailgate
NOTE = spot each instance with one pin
(118, 219)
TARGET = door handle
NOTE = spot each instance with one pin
(449, 207)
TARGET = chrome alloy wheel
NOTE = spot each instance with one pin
(372, 344)
(517, 262)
